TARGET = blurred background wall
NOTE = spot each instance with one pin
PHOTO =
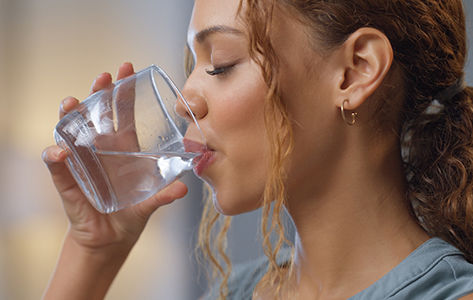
(50, 49)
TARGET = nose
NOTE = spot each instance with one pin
(195, 102)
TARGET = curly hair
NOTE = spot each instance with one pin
(428, 38)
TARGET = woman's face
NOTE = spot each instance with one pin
(226, 92)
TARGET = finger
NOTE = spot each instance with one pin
(125, 70)
(102, 81)
(172, 192)
(67, 105)
(70, 192)
(54, 157)
(124, 100)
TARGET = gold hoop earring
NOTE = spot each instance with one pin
(353, 114)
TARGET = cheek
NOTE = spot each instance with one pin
(242, 101)
(317, 129)
(238, 116)
(238, 120)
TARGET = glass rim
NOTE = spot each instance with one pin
(174, 88)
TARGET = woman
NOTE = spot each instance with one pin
(340, 89)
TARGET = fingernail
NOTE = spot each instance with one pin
(98, 76)
(129, 64)
(66, 102)
(62, 104)
(58, 153)
(69, 101)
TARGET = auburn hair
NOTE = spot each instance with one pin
(428, 38)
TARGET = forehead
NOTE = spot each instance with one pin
(208, 13)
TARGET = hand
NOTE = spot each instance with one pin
(89, 228)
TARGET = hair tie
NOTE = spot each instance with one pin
(444, 96)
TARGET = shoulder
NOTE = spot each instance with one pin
(454, 274)
(434, 271)
(243, 279)
(447, 275)
(245, 276)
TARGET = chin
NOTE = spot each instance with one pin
(233, 207)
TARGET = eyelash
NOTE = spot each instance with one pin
(220, 71)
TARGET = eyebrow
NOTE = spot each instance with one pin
(202, 35)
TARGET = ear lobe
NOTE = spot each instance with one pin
(367, 58)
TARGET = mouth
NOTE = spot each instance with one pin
(202, 161)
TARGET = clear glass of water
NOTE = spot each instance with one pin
(126, 143)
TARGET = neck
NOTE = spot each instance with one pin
(356, 230)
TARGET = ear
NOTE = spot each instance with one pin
(366, 57)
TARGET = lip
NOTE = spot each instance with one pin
(202, 161)
(193, 146)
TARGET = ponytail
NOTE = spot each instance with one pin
(439, 165)
(428, 38)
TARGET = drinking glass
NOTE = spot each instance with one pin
(126, 143)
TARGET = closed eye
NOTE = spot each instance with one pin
(220, 70)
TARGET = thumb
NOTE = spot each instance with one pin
(170, 193)
(54, 157)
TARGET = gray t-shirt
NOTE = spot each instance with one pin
(435, 271)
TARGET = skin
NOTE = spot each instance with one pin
(228, 107)
(361, 188)
(345, 183)
(96, 245)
